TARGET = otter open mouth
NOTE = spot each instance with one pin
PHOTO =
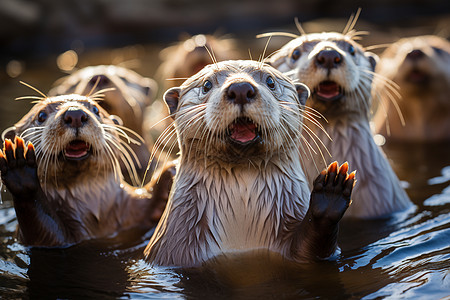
(77, 150)
(417, 76)
(328, 91)
(243, 131)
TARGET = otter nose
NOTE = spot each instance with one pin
(415, 54)
(102, 80)
(241, 93)
(328, 59)
(75, 117)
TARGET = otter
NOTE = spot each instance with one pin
(66, 182)
(129, 96)
(179, 62)
(239, 185)
(339, 73)
(187, 57)
(420, 65)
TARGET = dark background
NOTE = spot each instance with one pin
(36, 28)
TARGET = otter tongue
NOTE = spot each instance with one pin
(76, 149)
(328, 89)
(243, 132)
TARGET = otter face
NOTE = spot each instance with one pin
(419, 64)
(237, 110)
(129, 95)
(73, 136)
(334, 67)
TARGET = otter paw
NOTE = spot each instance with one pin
(18, 167)
(331, 193)
(161, 191)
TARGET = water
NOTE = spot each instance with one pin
(404, 256)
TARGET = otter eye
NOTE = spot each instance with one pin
(351, 50)
(270, 82)
(96, 110)
(42, 116)
(439, 51)
(207, 86)
(295, 54)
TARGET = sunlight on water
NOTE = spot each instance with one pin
(404, 256)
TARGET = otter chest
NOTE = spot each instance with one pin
(244, 209)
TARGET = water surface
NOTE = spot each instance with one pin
(404, 256)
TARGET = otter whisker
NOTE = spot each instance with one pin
(277, 33)
(351, 22)
(394, 86)
(34, 89)
(261, 58)
(211, 55)
(160, 121)
(128, 98)
(286, 135)
(309, 148)
(270, 55)
(299, 27)
(100, 93)
(29, 98)
(313, 136)
(114, 162)
(121, 130)
(125, 157)
(373, 47)
(160, 144)
(94, 86)
(392, 92)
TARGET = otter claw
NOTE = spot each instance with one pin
(332, 202)
(18, 167)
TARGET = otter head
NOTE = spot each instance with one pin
(237, 112)
(420, 65)
(336, 69)
(191, 55)
(128, 96)
(75, 139)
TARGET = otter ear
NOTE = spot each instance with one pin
(116, 119)
(303, 92)
(171, 96)
(9, 133)
(150, 88)
(373, 59)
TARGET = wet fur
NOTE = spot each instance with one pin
(131, 95)
(425, 106)
(86, 198)
(128, 99)
(348, 136)
(229, 200)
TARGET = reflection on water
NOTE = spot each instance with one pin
(406, 255)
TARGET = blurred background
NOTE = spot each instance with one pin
(43, 40)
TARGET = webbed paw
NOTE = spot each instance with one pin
(331, 193)
(18, 168)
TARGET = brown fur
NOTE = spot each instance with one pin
(189, 56)
(424, 81)
(86, 198)
(346, 132)
(131, 95)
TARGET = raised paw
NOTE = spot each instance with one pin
(18, 168)
(331, 193)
